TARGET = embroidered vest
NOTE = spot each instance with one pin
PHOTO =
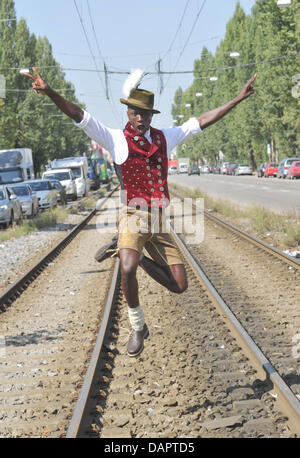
(145, 172)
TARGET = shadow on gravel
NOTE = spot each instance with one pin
(107, 226)
(36, 338)
(94, 271)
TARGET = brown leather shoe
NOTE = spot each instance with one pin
(136, 341)
(107, 251)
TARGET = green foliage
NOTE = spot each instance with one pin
(272, 115)
(25, 120)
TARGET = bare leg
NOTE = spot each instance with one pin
(172, 277)
(129, 260)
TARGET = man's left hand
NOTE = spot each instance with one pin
(247, 89)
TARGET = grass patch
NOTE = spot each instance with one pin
(282, 229)
(49, 218)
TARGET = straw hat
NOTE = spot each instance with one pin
(134, 97)
(141, 98)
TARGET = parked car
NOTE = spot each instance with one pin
(61, 192)
(204, 168)
(47, 196)
(216, 169)
(173, 169)
(10, 207)
(231, 169)
(261, 169)
(271, 169)
(193, 170)
(27, 197)
(243, 169)
(285, 165)
(294, 170)
(67, 179)
(183, 168)
(224, 167)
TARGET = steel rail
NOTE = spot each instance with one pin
(79, 411)
(250, 238)
(286, 398)
(16, 289)
(273, 250)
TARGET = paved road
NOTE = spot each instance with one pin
(276, 194)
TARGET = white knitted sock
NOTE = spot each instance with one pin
(136, 318)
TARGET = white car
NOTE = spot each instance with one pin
(46, 195)
(10, 207)
(28, 198)
(183, 168)
(66, 178)
(243, 170)
(204, 169)
(173, 169)
(224, 168)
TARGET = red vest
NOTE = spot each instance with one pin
(145, 172)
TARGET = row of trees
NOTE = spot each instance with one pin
(272, 115)
(26, 120)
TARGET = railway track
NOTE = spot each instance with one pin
(47, 332)
(201, 373)
(16, 289)
(243, 395)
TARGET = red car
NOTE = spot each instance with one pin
(271, 169)
(294, 170)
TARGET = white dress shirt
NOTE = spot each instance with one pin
(114, 141)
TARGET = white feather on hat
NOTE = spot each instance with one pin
(132, 81)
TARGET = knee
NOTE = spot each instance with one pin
(179, 288)
(128, 270)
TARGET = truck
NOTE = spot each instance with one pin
(16, 165)
(80, 170)
(100, 165)
(183, 164)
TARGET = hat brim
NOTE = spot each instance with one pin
(137, 104)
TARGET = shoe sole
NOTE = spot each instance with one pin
(134, 355)
(105, 252)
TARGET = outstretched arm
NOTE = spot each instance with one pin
(211, 117)
(69, 108)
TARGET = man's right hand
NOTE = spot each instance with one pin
(68, 108)
(38, 85)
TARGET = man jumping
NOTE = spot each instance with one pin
(140, 154)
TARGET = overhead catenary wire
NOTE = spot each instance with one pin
(107, 85)
(178, 72)
(88, 42)
(177, 31)
(185, 45)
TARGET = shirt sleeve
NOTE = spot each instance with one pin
(176, 135)
(113, 140)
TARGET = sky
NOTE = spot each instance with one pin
(85, 34)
